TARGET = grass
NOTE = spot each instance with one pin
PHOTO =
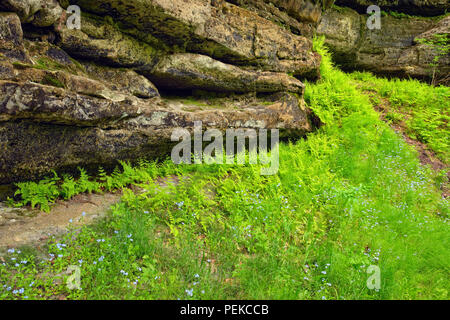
(351, 195)
(424, 108)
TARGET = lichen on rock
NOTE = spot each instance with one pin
(91, 97)
(393, 50)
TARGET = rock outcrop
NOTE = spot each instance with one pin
(43, 127)
(117, 88)
(11, 38)
(194, 71)
(225, 32)
(395, 49)
(40, 13)
(298, 16)
(413, 7)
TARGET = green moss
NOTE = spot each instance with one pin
(20, 65)
(44, 63)
(191, 101)
(64, 3)
(341, 9)
(78, 65)
(52, 81)
(401, 15)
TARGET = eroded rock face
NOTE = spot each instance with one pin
(41, 13)
(66, 132)
(42, 103)
(11, 37)
(193, 71)
(226, 32)
(393, 50)
(413, 7)
(58, 113)
(299, 16)
(303, 10)
(101, 42)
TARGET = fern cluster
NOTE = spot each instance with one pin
(44, 193)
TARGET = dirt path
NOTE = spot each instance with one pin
(25, 226)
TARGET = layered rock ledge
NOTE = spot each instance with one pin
(117, 88)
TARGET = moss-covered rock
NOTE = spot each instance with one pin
(37, 142)
(393, 50)
(102, 42)
(413, 7)
(41, 13)
(72, 98)
(228, 33)
(123, 80)
(193, 71)
(11, 38)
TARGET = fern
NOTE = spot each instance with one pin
(68, 187)
(84, 184)
(41, 194)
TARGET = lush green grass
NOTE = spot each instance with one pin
(423, 109)
(349, 196)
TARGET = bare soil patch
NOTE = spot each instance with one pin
(26, 226)
(30, 226)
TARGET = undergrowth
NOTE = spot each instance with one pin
(44, 193)
(351, 195)
(424, 109)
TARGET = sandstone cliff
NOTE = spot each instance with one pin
(396, 49)
(117, 87)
